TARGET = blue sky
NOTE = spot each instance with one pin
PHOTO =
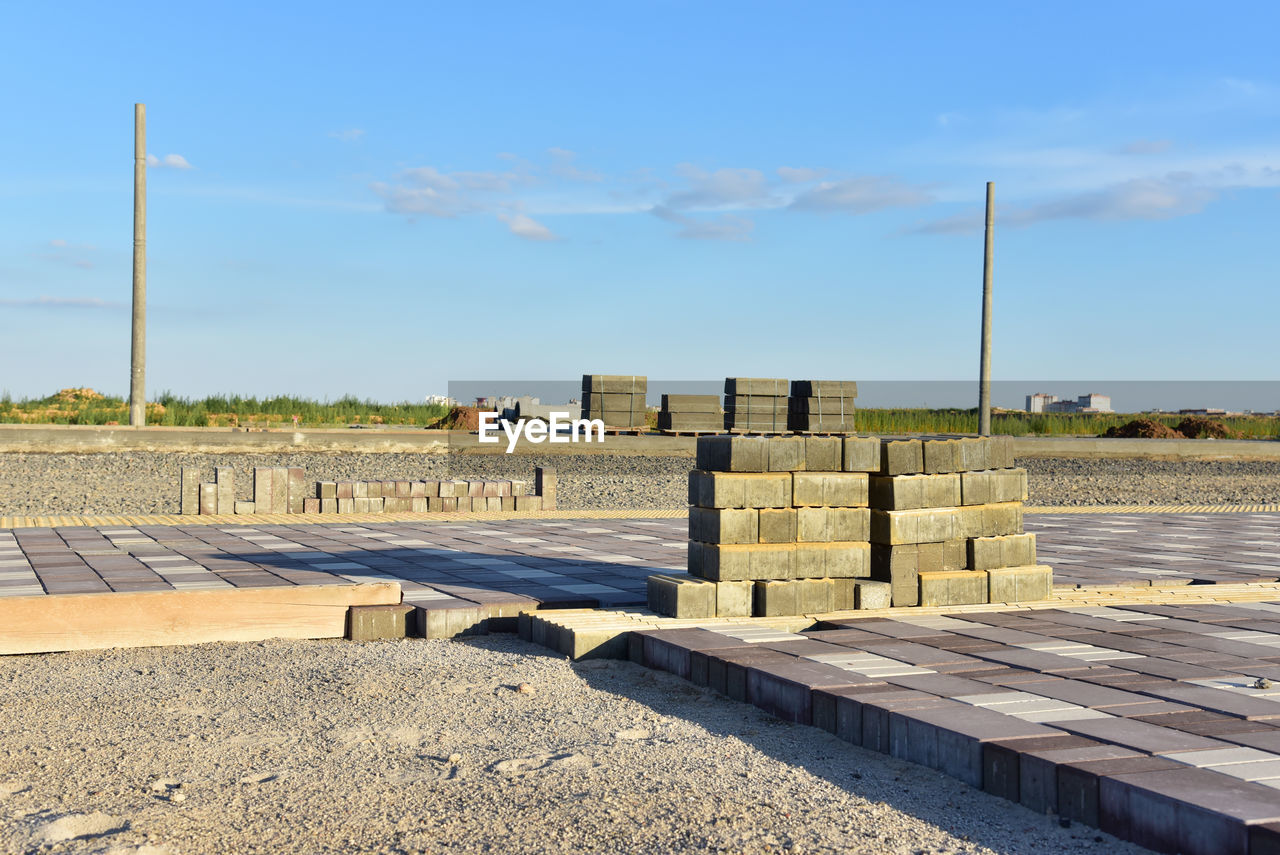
(379, 198)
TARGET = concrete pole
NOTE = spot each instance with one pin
(988, 266)
(138, 354)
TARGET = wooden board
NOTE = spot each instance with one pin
(50, 623)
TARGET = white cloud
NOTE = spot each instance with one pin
(860, 195)
(348, 135)
(1165, 198)
(62, 251)
(1145, 147)
(1140, 199)
(723, 227)
(425, 190)
(429, 201)
(724, 188)
(564, 165)
(169, 161)
(526, 227)
(800, 175)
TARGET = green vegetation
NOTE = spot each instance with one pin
(87, 407)
(1015, 423)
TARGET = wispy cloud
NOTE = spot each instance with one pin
(524, 226)
(724, 188)
(426, 191)
(1139, 199)
(348, 135)
(169, 161)
(726, 227)
(1145, 147)
(800, 175)
(62, 251)
(860, 195)
(62, 303)
(564, 165)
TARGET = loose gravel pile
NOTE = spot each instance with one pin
(429, 746)
(147, 482)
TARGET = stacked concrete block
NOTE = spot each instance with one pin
(690, 413)
(946, 524)
(778, 525)
(281, 490)
(822, 406)
(755, 404)
(615, 399)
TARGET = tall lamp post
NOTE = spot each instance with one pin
(138, 351)
(984, 379)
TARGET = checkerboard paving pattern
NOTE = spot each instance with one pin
(1159, 724)
(1158, 549)
(566, 563)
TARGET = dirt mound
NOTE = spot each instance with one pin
(460, 418)
(75, 395)
(1198, 427)
(1143, 429)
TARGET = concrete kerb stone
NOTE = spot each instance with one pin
(380, 623)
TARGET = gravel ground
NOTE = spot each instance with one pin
(428, 746)
(1079, 481)
(147, 482)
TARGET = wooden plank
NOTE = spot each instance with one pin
(46, 624)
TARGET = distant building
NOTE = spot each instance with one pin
(1091, 403)
(1094, 403)
(1208, 411)
(1039, 402)
(443, 400)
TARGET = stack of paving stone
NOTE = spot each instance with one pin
(946, 524)
(778, 526)
(280, 490)
(375, 497)
(755, 404)
(276, 490)
(690, 413)
(822, 406)
(618, 400)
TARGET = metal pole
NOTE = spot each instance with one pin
(988, 266)
(138, 355)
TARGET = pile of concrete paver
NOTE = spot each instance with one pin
(755, 404)
(791, 525)
(281, 490)
(618, 400)
(691, 413)
(822, 406)
(946, 524)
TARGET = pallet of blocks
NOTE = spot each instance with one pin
(618, 400)
(778, 525)
(946, 524)
(755, 404)
(822, 406)
(693, 413)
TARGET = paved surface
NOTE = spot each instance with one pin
(566, 562)
(1165, 549)
(1148, 721)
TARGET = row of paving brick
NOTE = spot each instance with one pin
(1144, 721)
(551, 562)
(1134, 549)
(526, 555)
